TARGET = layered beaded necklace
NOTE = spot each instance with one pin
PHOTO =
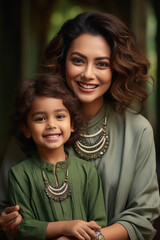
(98, 148)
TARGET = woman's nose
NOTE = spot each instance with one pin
(89, 72)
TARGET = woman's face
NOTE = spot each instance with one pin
(88, 71)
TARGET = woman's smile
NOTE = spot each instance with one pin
(87, 87)
(88, 72)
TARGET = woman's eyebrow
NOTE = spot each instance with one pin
(79, 54)
(83, 56)
(103, 58)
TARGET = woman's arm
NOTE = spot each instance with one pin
(115, 232)
(137, 195)
(10, 218)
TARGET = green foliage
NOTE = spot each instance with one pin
(152, 56)
(64, 10)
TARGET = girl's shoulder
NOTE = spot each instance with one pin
(23, 165)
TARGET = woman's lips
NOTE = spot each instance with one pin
(86, 87)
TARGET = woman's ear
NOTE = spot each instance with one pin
(25, 130)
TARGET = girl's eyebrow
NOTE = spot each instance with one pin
(37, 113)
(61, 110)
(83, 56)
(43, 112)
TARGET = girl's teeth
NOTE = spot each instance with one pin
(52, 136)
(87, 86)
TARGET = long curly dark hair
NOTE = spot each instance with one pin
(128, 63)
(43, 85)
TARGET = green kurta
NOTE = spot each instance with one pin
(26, 187)
(127, 169)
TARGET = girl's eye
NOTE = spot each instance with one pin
(60, 117)
(40, 119)
(103, 64)
(77, 60)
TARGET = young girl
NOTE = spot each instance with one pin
(102, 64)
(55, 190)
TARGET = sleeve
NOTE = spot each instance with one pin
(95, 199)
(12, 156)
(29, 228)
(143, 203)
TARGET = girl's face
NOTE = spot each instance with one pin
(88, 71)
(48, 123)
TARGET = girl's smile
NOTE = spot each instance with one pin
(48, 123)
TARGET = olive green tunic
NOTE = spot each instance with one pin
(27, 189)
(128, 172)
(127, 169)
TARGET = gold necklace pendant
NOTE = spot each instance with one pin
(96, 150)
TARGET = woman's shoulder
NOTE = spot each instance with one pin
(131, 117)
(137, 121)
(131, 121)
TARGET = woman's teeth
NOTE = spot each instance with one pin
(87, 86)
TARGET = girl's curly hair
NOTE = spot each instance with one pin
(51, 86)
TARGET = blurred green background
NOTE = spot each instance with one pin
(26, 26)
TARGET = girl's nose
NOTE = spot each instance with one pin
(50, 125)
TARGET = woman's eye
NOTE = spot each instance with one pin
(102, 64)
(77, 60)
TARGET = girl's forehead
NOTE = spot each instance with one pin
(47, 103)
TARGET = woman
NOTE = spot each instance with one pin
(101, 63)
